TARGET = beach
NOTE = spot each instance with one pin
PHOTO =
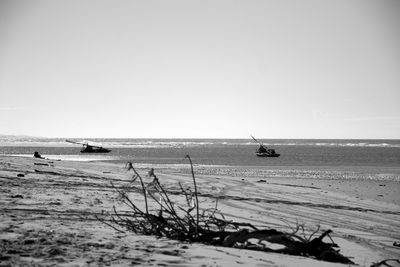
(49, 209)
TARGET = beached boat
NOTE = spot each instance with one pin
(94, 149)
(264, 151)
(90, 147)
(265, 154)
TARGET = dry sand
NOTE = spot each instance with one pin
(48, 207)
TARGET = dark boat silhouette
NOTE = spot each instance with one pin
(264, 151)
(90, 148)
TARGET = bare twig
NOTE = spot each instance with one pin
(195, 193)
(108, 224)
(141, 182)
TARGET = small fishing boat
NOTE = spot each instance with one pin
(271, 154)
(90, 147)
(264, 151)
(94, 149)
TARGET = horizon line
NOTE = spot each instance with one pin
(268, 138)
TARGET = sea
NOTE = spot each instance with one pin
(215, 152)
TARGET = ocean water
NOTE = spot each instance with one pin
(229, 152)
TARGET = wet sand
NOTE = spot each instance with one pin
(48, 213)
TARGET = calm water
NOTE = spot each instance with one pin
(371, 153)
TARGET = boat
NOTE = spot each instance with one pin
(264, 151)
(90, 147)
(94, 149)
(267, 154)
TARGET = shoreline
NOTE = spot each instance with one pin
(55, 201)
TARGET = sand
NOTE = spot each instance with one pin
(48, 213)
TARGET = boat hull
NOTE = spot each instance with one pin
(102, 150)
(266, 155)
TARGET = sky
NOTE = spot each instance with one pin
(200, 69)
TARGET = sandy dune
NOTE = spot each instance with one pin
(48, 213)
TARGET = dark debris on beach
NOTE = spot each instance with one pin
(190, 224)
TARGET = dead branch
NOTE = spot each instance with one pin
(175, 221)
(195, 192)
(385, 263)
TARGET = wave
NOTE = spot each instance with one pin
(156, 144)
(77, 157)
(182, 143)
(298, 174)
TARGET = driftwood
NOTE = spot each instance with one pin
(386, 263)
(210, 226)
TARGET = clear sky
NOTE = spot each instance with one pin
(198, 69)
